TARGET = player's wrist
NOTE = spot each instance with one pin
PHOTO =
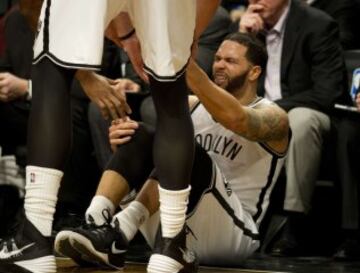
(127, 35)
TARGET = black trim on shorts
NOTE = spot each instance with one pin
(46, 26)
(165, 78)
(264, 190)
(240, 224)
(65, 64)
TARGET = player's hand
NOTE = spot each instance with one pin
(195, 76)
(133, 49)
(251, 21)
(12, 87)
(357, 101)
(106, 93)
(127, 85)
(121, 131)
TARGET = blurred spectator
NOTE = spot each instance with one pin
(305, 76)
(345, 13)
(14, 109)
(348, 151)
(15, 84)
(15, 102)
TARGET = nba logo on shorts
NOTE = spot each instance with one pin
(32, 178)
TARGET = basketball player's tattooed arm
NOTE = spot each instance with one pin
(265, 124)
(268, 124)
(106, 93)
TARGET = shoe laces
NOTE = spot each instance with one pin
(101, 230)
(89, 223)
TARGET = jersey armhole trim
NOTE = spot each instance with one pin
(274, 153)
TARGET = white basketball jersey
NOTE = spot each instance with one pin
(249, 167)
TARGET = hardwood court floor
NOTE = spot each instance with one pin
(66, 266)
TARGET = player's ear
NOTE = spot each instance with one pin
(255, 73)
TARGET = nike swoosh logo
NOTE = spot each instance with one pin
(114, 250)
(7, 255)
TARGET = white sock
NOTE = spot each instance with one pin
(132, 218)
(96, 210)
(42, 186)
(173, 206)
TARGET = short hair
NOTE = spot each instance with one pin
(256, 51)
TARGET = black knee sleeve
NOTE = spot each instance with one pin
(174, 138)
(133, 160)
(49, 131)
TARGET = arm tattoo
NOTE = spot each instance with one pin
(266, 125)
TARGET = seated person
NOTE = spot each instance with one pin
(348, 151)
(241, 143)
(15, 86)
(305, 76)
(15, 103)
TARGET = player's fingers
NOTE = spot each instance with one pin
(3, 82)
(120, 141)
(121, 98)
(110, 107)
(4, 89)
(123, 126)
(118, 106)
(121, 133)
(254, 8)
(103, 109)
(131, 87)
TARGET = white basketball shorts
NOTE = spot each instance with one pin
(71, 33)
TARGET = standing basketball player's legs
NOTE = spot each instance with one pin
(166, 47)
(173, 158)
(48, 145)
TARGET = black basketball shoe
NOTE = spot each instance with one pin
(27, 251)
(104, 245)
(64, 248)
(175, 248)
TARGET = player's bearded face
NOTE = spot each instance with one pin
(229, 82)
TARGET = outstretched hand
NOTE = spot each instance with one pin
(108, 94)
